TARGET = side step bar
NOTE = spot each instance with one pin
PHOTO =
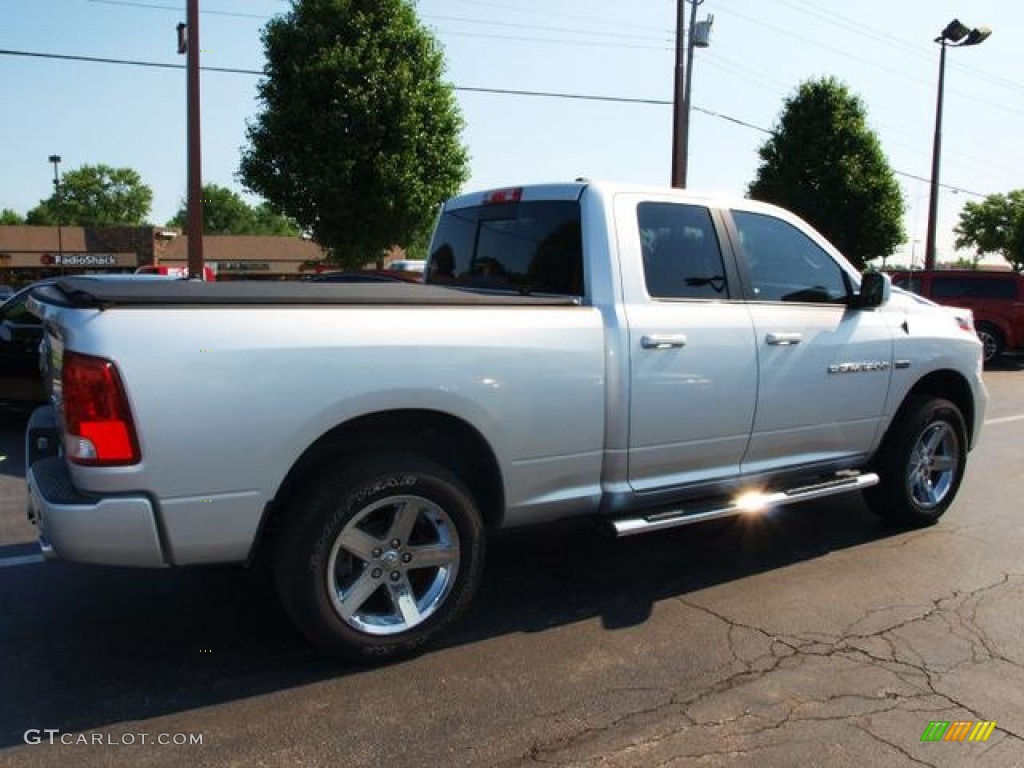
(630, 526)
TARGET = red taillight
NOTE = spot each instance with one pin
(98, 429)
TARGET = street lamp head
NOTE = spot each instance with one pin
(954, 32)
(54, 158)
(958, 35)
(977, 35)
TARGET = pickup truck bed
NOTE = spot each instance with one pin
(88, 293)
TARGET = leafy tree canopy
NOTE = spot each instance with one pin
(96, 196)
(10, 217)
(226, 213)
(358, 138)
(995, 225)
(823, 163)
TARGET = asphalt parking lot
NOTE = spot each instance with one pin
(814, 636)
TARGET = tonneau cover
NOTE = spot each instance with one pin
(86, 292)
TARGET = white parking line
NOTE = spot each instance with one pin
(1004, 420)
(11, 562)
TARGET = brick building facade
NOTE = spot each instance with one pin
(30, 253)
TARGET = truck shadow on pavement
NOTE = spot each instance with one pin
(1007, 363)
(85, 647)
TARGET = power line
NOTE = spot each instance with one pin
(548, 13)
(462, 19)
(561, 41)
(869, 62)
(754, 78)
(857, 26)
(665, 44)
(543, 28)
(465, 89)
(129, 62)
(556, 95)
(178, 9)
(847, 23)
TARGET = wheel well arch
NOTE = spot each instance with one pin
(444, 438)
(947, 384)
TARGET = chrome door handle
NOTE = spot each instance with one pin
(663, 341)
(784, 339)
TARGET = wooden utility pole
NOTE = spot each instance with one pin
(680, 106)
(188, 43)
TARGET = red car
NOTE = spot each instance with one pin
(995, 297)
(179, 272)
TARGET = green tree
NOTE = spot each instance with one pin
(9, 217)
(226, 213)
(823, 163)
(995, 225)
(270, 222)
(96, 196)
(358, 137)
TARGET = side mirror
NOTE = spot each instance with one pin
(875, 290)
(6, 335)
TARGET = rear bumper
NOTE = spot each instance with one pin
(112, 530)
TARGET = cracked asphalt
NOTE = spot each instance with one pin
(813, 636)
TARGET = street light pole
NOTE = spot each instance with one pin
(55, 159)
(955, 35)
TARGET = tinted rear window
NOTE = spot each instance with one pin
(682, 258)
(974, 288)
(532, 247)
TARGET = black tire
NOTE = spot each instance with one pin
(992, 342)
(375, 559)
(921, 463)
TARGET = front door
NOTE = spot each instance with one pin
(824, 367)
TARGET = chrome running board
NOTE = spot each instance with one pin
(743, 504)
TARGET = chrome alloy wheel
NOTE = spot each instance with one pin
(393, 565)
(990, 345)
(933, 465)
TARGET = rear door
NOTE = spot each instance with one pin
(692, 359)
(823, 367)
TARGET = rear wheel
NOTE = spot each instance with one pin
(921, 463)
(375, 560)
(991, 340)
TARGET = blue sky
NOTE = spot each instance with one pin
(761, 50)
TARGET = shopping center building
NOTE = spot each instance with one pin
(30, 253)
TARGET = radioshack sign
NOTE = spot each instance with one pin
(79, 260)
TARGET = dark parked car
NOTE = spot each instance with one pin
(21, 383)
(21, 380)
(352, 277)
(995, 297)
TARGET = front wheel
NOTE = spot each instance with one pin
(921, 463)
(374, 560)
(991, 342)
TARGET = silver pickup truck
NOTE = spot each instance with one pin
(648, 358)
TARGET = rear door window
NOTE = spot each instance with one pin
(682, 257)
(974, 287)
(516, 247)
